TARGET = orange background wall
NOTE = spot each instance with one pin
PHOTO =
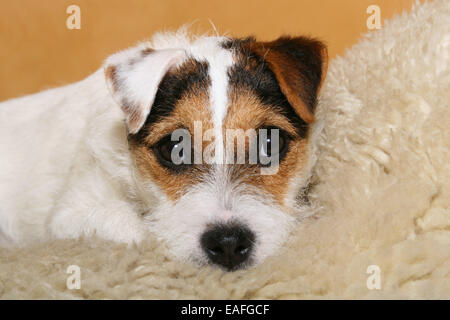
(37, 51)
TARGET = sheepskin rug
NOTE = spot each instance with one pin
(381, 189)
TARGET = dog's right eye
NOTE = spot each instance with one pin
(170, 153)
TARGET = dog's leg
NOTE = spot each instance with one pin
(93, 205)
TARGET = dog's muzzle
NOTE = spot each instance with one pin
(229, 246)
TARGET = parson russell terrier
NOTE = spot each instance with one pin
(147, 150)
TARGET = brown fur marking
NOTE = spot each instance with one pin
(247, 112)
(291, 70)
(193, 107)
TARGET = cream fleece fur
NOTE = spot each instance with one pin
(381, 188)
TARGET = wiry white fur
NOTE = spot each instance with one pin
(219, 61)
(137, 79)
(64, 149)
(218, 201)
(66, 171)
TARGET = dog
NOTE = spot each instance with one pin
(97, 157)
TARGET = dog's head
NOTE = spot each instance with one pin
(218, 129)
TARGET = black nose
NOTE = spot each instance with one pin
(228, 246)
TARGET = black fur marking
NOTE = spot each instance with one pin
(173, 87)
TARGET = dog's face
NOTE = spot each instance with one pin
(218, 129)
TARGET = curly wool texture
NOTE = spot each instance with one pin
(382, 192)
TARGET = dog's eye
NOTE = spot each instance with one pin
(166, 149)
(273, 143)
(170, 153)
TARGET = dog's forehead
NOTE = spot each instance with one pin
(222, 84)
(218, 69)
(234, 70)
(219, 60)
(228, 70)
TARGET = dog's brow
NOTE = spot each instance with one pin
(260, 80)
(191, 75)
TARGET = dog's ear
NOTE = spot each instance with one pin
(299, 64)
(133, 77)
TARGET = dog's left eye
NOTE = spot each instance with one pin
(274, 143)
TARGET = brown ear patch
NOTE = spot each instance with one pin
(299, 65)
(110, 74)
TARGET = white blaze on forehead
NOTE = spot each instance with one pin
(219, 61)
